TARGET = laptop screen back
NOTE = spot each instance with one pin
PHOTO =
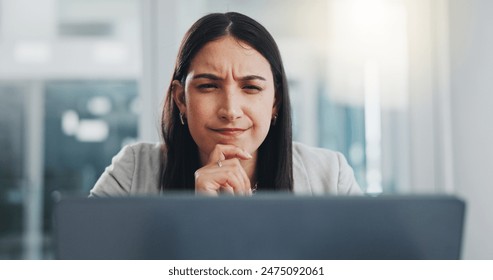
(261, 227)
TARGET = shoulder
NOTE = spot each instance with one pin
(143, 147)
(138, 156)
(321, 162)
(134, 170)
(149, 151)
(314, 154)
(322, 171)
(141, 153)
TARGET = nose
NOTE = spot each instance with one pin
(230, 107)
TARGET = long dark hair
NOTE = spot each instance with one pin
(180, 155)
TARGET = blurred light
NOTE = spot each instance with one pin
(70, 122)
(373, 130)
(32, 52)
(356, 153)
(372, 177)
(92, 131)
(99, 105)
(110, 53)
(363, 30)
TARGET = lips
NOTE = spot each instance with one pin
(229, 131)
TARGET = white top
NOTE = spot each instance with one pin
(135, 170)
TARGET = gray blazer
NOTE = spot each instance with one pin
(135, 170)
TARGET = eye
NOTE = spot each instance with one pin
(204, 86)
(207, 87)
(252, 88)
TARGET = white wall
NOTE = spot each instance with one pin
(471, 39)
(32, 49)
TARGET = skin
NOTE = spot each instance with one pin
(228, 101)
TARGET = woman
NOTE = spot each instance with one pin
(226, 124)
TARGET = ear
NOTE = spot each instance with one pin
(178, 92)
(277, 104)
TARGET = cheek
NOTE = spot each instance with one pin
(197, 118)
(263, 119)
(195, 112)
(196, 109)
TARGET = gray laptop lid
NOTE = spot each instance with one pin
(260, 227)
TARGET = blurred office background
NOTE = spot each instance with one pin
(402, 87)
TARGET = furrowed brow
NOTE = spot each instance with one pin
(216, 78)
(252, 77)
(207, 76)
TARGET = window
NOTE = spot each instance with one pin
(12, 168)
(69, 84)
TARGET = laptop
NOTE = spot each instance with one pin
(260, 227)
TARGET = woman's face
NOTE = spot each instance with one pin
(228, 96)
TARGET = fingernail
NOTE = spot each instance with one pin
(247, 154)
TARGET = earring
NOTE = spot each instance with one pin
(274, 120)
(181, 119)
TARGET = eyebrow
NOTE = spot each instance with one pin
(216, 78)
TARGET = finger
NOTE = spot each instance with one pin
(223, 152)
(235, 167)
(244, 178)
(227, 190)
(235, 181)
(207, 189)
(212, 177)
(210, 180)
